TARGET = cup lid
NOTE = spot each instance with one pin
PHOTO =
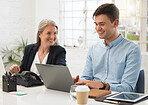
(82, 88)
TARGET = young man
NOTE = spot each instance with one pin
(113, 64)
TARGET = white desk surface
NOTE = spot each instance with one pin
(41, 96)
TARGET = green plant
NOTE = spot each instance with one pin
(131, 36)
(13, 55)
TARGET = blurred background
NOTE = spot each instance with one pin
(19, 21)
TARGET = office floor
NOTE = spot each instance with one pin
(76, 58)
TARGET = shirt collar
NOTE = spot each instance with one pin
(115, 42)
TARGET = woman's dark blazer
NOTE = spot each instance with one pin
(56, 56)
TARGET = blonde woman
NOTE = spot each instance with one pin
(44, 51)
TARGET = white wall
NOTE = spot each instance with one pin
(17, 19)
(21, 18)
(47, 9)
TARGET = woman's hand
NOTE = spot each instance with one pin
(14, 69)
(76, 79)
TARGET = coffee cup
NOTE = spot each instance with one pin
(82, 94)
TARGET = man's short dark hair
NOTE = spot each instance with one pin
(107, 9)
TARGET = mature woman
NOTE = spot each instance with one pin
(45, 51)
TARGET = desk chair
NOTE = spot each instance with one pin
(140, 86)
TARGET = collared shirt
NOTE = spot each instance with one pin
(37, 60)
(117, 64)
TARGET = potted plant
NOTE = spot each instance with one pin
(13, 55)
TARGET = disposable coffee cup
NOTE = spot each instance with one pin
(82, 94)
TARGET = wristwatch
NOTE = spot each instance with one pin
(106, 86)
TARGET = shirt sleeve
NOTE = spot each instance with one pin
(131, 72)
(87, 72)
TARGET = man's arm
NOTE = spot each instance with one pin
(87, 72)
(91, 84)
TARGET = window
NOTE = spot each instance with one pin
(78, 28)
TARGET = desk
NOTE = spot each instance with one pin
(41, 96)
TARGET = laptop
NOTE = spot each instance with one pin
(55, 77)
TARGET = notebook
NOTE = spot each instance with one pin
(55, 77)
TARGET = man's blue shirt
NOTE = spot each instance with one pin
(118, 64)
